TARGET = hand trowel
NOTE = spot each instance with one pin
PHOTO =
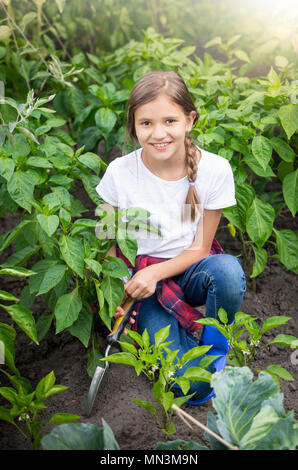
(112, 338)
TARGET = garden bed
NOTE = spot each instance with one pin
(134, 427)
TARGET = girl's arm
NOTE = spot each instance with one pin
(143, 283)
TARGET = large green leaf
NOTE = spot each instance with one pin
(115, 267)
(290, 191)
(81, 328)
(72, 251)
(18, 146)
(283, 149)
(237, 214)
(259, 221)
(39, 162)
(198, 373)
(43, 325)
(121, 358)
(4, 295)
(49, 223)
(41, 268)
(64, 197)
(271, 428)
(91, 160)
(161, 335)
(67, 309)
(257, 168)
(238, 400)
(179, 445)
(113, 292)
(46, 387)
(51, 278)
(260, 261)
(80, 436)
(287, 248)
(194, 353)
(13, 234)
(7, 167)
(94, 360)
(274, 322)
(288, 116)
(261, 150)
(21, 188)
(77, 99)
(127, 244)
(105, 120)
(16, 271)
(21, 256)
(7, 337)
(23, 317)
(61, 418)
(90, 182)
(289, 341)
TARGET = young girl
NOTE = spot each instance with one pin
(185, 189)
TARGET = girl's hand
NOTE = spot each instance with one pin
(120, 312)
(143, 283)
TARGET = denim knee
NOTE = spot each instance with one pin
(229, 278)
(230, 275)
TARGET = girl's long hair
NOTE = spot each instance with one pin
(171, 84)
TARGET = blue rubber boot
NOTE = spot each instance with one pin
(220, 347)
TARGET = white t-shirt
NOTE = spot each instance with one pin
(128, 183)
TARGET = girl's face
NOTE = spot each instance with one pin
(161, 126)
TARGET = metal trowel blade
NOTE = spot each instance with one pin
(94, 386)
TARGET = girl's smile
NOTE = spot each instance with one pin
(161, 146)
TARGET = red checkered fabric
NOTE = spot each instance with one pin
(169, 293)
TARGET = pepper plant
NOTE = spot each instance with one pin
(160, 365)
(246, 338)
(26, 404)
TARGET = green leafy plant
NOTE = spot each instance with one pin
(246, 338)
(80, 436)
(160, 365)
(27, 404)
(250, 415)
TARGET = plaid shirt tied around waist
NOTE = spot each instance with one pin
(169, 294)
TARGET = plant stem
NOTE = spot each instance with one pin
(202, 426)
(247, 260)
(237, 357)
(191, 428)
(21, 431)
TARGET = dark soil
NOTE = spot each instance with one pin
(134, 427)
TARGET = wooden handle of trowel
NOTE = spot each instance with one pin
(122, 320)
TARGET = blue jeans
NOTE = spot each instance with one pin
(216, 281)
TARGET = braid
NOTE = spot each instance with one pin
(192, 197)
